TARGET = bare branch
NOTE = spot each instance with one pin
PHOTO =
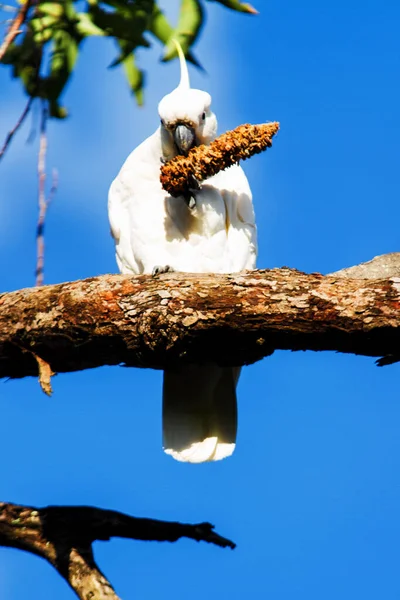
(14, 130)
(15, 27)
(41, 197)
(63, 535)
(8, 8)
(231, 319)
(43, 202)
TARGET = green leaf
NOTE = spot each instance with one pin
(134, 75)
(238, 6)
(29, 77)
(57, 111)
(127, 22)
(43, 28)
(26, 63)
(188, 28)
(41, 37)
(86, 27)
(128, 48)
(39, 24)
(160, 26)
(144, 6)
(62, 63)
(12, 54)
(161, 29)
(53, 9)
(69, 10)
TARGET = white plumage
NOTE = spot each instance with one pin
(218, 234)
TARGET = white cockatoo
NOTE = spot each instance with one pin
(214, 231)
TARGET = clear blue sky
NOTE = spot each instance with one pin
(312, 493)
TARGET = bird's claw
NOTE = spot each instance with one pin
(159, 270)
(193, 187)
(194, 183)
(191, 201)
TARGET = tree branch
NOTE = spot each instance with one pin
(16, 127)
(380, 267)
(43, 202)
(63, 535)
(233, 319)
(15, 27)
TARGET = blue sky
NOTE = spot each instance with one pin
(311, 495)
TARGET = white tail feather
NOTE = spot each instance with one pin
(200, 413)
(205, 451)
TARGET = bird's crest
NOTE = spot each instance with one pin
(184, 83)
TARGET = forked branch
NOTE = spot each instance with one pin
(63, 535)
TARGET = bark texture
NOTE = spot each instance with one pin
(235, 319)
(63, 535)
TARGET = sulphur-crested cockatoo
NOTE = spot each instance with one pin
(214, 231)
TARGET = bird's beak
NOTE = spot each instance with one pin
(185, 138)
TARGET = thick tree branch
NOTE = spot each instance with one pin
(63, 535)
(229, 319)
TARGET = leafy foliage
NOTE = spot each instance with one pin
(45, 54)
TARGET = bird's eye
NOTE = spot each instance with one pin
(162, 122)
(203, 116)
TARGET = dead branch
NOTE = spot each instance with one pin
(43, 202)
(63, 535)
(41, 169)
(202, 162)
(15, 27)
(234, 319)
(14, 130)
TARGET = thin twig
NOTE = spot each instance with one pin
(41, 197)
(15, 28)
(14, 130)
(42, 200)
(8, 8)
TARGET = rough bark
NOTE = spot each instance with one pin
(386, 265)
(63, 535)
(233, 319)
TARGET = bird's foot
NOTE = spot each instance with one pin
(193, 187)
(194, 183)
(159, 270)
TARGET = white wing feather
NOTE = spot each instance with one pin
(152, 228)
